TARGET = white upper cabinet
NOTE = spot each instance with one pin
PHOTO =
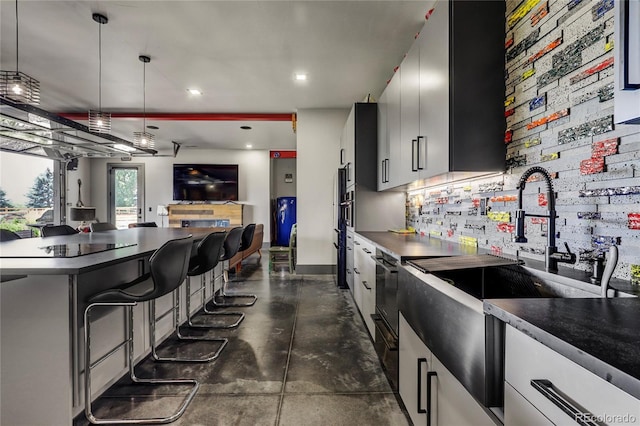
(451, 97)
(410, 115)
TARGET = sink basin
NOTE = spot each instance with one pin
(445, 309)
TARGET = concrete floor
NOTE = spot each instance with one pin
(302, 356)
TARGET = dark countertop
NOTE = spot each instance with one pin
(601, 335)
(413, 246)
(146, 241)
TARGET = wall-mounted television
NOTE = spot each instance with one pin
(205, 182)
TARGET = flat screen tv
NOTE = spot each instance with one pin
(205, 182)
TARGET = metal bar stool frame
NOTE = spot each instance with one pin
(231, 247)
(182, 247)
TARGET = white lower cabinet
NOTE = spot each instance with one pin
(549, 381)
(420, 374)
(520, 412)
(364, 292)
(414, 361)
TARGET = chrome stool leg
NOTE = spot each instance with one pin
(176, 317)
(207, 312)
(136, 380)
(223, 295)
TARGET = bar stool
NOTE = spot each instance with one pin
(206, 259)
(143, 225)
(52, 231)
(168, 268)
(6, 235)
(102, 226)
(231, 247)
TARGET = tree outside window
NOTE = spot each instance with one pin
(41, 193)
(4, 201)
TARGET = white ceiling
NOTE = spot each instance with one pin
(241, 54)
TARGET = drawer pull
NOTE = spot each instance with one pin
(578, 414)
(366, 250)
(430, 375)
(420, 362)
(364, 283)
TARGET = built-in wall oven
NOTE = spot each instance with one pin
(386, 316)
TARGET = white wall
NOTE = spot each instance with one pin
(253, 177)
(318, 145)
(279, 168)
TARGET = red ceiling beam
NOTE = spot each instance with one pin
(180, 116)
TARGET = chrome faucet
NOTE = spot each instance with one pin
(552, 256)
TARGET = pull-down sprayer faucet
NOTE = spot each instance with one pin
(552, 256)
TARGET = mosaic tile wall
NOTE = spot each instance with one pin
(559, 113)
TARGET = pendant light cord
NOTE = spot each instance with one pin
(17, 50)
(144, 95)
(100, 66)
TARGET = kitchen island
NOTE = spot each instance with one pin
(42, 300)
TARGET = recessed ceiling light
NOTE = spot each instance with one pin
(152, 127)
(245, 127)
(249, 146)
(301, 77)
(195, 92)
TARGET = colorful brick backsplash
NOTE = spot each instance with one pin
(559, 115)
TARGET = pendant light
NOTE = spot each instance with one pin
(99, 122)
(144, 139)
(17, 86)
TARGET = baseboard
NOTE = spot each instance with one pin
(315, 269)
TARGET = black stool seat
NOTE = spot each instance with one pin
(52, 231)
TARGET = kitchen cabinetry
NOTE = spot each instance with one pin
(389, 135)
(410, 115)
(560, 389)
(364, 291)
(370, 210)
(422, 375)
(452, 96)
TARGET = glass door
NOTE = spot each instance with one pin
(126, 194)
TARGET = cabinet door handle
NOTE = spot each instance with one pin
(366, 250)
(382, 171)
(348, 166)
(335, 245)
(430, 375)
(356, 243)
(356, 271)
(341, 156)
(579, 415)
(420, 362)
(422, 152)
(414, 151)
(364, 283)
(386, 170)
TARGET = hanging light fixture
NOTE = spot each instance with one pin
(144, 139)
(17, 86)
(99, 122)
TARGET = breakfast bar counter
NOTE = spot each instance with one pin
(42, 298)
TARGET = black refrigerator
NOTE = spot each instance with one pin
(341, 230)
